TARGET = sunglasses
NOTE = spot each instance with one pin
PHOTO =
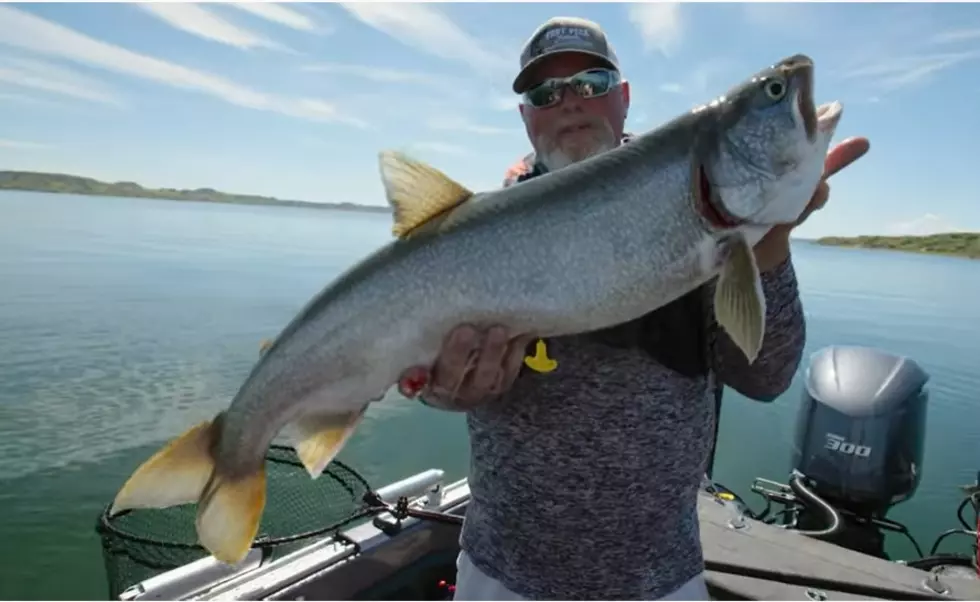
(591, 83)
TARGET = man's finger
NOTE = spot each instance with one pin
(845, 153)
(456, 349)
(820, 196)
(491, 360)
(516, 352)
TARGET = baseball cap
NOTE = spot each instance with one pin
(564, 34)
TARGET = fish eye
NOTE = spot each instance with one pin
(775, 89)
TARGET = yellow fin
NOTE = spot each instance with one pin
(417, 192)
(228, 511)
(264, 345)
(540, 362)
(229, 514)
(176, 474)
(321, 436)
(740, 306)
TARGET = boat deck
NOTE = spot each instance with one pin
(745, 560)
(765, 547)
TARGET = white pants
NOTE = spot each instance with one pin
(474, 584)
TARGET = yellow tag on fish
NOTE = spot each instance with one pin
(540, 362)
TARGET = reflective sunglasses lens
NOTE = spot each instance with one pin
(543, 95)
(587, 84)
(592, 83)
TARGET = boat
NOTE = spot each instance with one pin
(857, 454)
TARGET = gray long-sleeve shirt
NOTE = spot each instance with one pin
(584, 480)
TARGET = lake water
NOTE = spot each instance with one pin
(123, 321)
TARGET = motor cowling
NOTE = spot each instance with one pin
(861, 426)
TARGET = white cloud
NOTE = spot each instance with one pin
(793, 19)
(930, 223)
(439, 147)
(659, 24)
(277, 13)
(39, 75)
(901, 71)
(710, 77)
(24, 30)
(436, 91)
(201, 22)
(957, 35)
(24, 145)
(376, 74)
(424, 28)
(461, 124)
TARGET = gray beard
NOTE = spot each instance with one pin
(557, 158)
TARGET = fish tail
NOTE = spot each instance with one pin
(184, 471)
(229, 513)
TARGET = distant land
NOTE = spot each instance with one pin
(960, 244)
(68, 184)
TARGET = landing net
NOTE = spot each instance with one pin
(138, 544)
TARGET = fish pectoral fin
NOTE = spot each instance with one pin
(417, 192)
(540, 362)
(177, 474)
(229, 514)
(321, 436)
(740, 306)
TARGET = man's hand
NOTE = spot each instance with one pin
(773, 249)
(471, 368)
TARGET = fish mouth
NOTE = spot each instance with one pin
(828, 116)
(799, 69)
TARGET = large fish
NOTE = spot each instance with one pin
(592, 245)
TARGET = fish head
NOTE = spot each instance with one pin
(764, 156)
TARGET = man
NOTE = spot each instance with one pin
(584, 481)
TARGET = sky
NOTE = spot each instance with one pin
(295, 100)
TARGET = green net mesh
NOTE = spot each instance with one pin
(139, 544)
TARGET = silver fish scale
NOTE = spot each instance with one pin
(584, 253)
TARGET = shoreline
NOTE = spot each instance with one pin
(56, 183)
(965, 245)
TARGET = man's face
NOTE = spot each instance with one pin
(575, 128)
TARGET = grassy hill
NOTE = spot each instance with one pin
(69, 184)
(960, 244)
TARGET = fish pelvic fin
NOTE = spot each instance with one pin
(176, 474)
(540, 362)
(229, 513)
(417, 192)
(184, 471)
(740, 306)
(321, 436)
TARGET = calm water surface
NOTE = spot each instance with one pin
(123, 321)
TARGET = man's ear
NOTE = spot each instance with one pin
(626, 94)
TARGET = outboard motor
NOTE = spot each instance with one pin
(859, 441)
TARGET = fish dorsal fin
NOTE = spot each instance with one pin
(417, 192)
